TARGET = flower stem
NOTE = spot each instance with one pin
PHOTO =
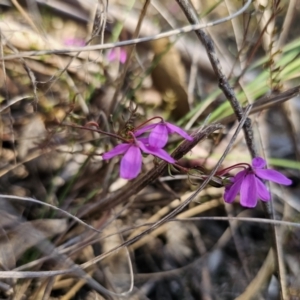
(97, 130)
(141, 125)
(226, 170)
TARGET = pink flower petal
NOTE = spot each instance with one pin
(258, 162)
(157, 152)
(123, 56)
(273, 175)
(144, 140)
(131, 163)
(240, 175)
(74, 42)
(158, 137)
(117, 54)
(262, 191)
(144, 129)
(232, 190)
(112, 55)
(119, 149)
(173, 128)
(248, 191)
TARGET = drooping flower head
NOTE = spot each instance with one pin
(249, 184)
(159, 134)
(131, 162)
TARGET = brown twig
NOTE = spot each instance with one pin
(224, 85)
(228, 91)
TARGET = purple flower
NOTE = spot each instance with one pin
(159, 133)
(74, 42)
(250, 185)
(117, 54)
(131, 162)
